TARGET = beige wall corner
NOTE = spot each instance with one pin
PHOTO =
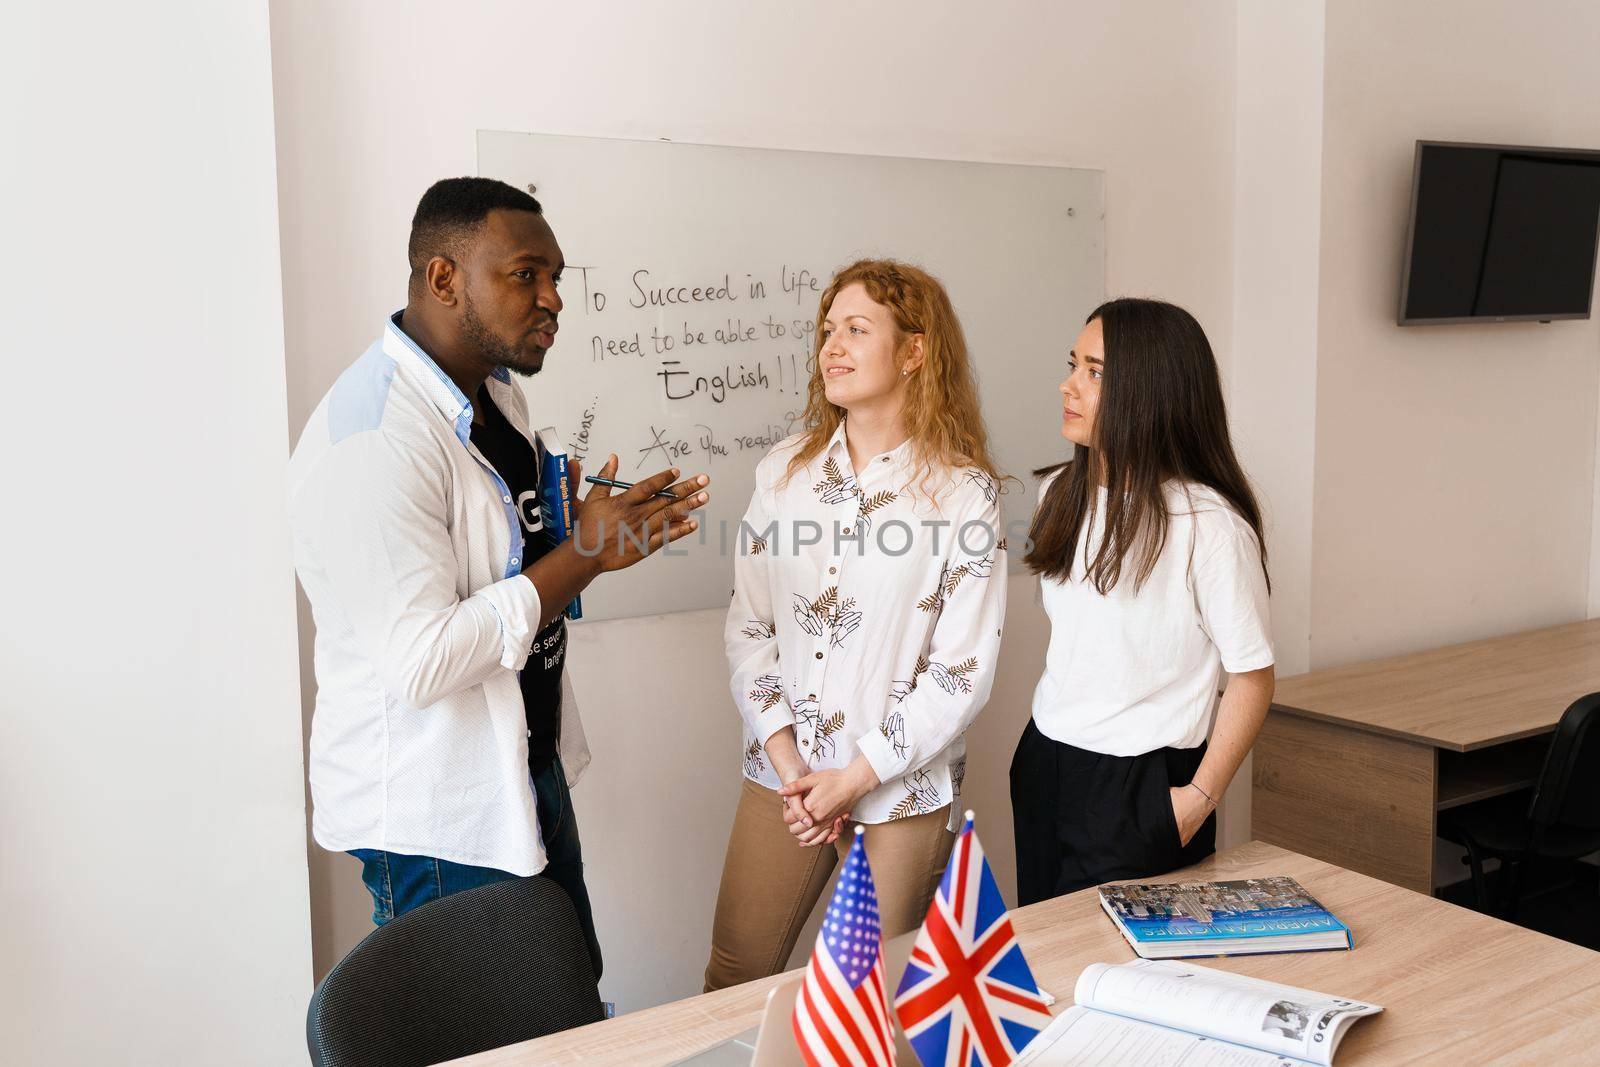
(1455, 464)
(1272, 376)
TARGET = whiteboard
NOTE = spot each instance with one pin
(693, 277)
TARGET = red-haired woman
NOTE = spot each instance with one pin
(868, 601)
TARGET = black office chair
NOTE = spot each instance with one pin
(1562, 822)
(475, 970)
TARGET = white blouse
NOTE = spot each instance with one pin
(411, 554)
(1135, 670)
(869, 619)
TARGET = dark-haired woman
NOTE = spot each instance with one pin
(1149, 550)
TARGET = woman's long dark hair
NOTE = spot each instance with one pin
(1161, 417)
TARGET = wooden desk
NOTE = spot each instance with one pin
(1354, 763)
(1457, 987)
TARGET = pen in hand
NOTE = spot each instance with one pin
(613, 483)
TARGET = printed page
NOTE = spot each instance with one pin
(1275, 1018)
(1081, 1037)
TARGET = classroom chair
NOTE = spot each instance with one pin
(1560, 822)
(475, 970)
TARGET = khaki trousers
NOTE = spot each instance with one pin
(770, 884)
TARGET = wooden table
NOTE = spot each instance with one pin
(1457, 987)
(1354, 763)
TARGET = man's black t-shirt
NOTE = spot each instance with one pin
(514, 458)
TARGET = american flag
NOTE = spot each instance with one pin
(968, 997)
(841, 1017)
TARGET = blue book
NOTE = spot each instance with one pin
(1174, 920)
(555, 496)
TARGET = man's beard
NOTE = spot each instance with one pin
(494, 349)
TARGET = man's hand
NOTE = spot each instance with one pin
(617, 531)
(567, 570)
(830, 794)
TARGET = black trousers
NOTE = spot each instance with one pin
(1083, 818)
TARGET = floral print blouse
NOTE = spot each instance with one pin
(868, 617)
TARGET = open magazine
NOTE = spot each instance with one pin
(1162, 1011)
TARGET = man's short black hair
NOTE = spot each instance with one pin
(453, 210)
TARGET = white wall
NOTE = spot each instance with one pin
(1277, 226)
(1454, 464)
(152, 871)
(376, 100)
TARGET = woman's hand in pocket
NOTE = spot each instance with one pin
(1189, 810)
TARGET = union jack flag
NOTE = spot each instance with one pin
(841, 1017)
(968, 998)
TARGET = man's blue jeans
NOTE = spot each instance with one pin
(399, 882)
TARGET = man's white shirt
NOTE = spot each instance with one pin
(410, 551)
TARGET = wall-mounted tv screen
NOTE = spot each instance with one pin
(1500, 233)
